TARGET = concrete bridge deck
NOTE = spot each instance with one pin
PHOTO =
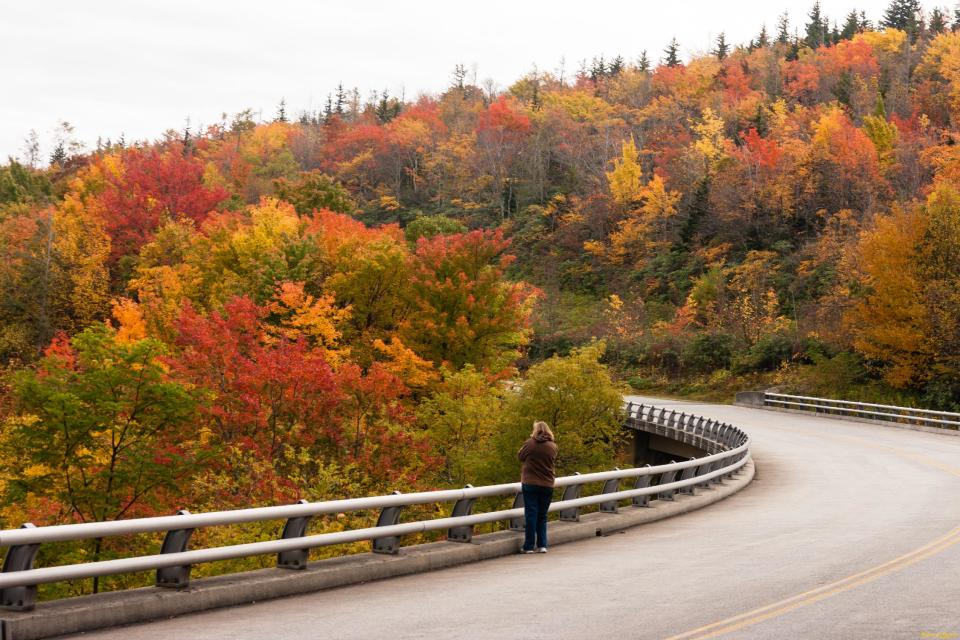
(848, 531)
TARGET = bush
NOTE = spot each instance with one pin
(708, 352)
(766, 355)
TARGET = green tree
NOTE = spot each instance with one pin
(722, 48)
(851, 26)
(98, 431)
(815, 31)
(314, 190)
(783, 28)
(429, 226)
(903, 15)
(461, 417)
(672, 54)
(578, 398)
(938, 22)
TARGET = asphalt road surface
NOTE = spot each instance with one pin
(848, 531)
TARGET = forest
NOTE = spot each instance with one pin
(385, 293)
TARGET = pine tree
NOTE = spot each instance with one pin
(643, 64)
(763, 39)
(938, 22)
(783, 28)
(616, 66)
(815, 31)
(281, 111)
(459, 74)
(340, 101)
(58, 156)
(671, 53)
(722, 47)
(903, 15)
(328, 108)
(851, 26)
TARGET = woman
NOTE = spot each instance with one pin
(538, 455)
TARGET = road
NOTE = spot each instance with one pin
(848, 531)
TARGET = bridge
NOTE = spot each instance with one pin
(848, 530)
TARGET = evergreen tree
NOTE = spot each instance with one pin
(58, 156)
(903, 15)
(763, 39)
(643, 64)
(328, 109)
(851, 26)
(340, 100)
(459, 74)
(938, 22)
(834, 34)
(616, 66)
(722, 47)
(281, 111)
(672, 53)
(598, 69)
(783, 28)
(815, 28)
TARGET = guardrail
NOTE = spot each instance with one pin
(19, 579)
(847, 408)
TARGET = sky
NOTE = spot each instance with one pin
(139, 67)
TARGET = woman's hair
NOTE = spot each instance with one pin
(541, 427)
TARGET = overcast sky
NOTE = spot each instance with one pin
(139, 67)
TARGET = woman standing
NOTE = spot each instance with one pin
(538, 455)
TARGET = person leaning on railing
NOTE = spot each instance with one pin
(538, 455)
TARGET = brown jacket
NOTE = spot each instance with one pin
(538, 455)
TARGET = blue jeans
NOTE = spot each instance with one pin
(536, 502)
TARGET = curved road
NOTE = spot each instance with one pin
(848, 531)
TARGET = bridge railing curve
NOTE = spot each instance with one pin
(729, 450)
(856, 410)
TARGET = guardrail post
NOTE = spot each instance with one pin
(388, 516)
(20, 557)
(294, 528)
(629, 410)
(688, 474)
(704, 469)
(571, 492)
(642, 483)
(666, 478)
(610, 486)
(517, 524)
(175, 541)
(462, 507)
(721, 463)
(735, 458)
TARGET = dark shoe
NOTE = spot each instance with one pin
(526, 550)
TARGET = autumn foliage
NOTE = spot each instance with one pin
(262, 309)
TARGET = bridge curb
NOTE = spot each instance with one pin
(87, 613)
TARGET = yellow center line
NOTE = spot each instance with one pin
(786, 605)
(820, 593)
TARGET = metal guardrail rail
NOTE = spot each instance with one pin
(19, 579)
(864, 410)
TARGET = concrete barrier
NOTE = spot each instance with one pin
(753, 399)
(86, 613)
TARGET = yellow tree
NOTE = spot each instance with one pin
(889, 323)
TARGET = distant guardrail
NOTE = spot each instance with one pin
(728, 448)
(851, 409)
